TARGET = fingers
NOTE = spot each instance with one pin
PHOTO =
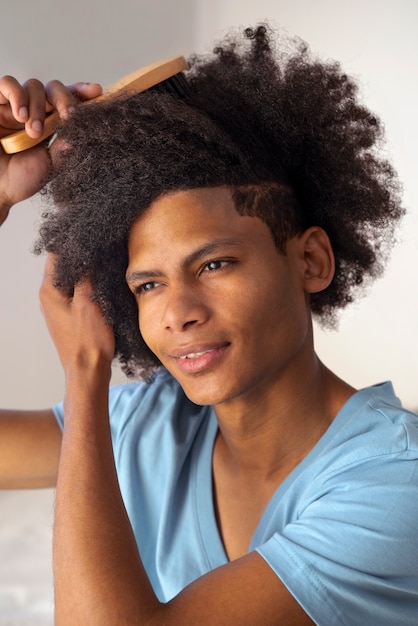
(47, 285)
(26, 105)
(64, 99)
(76, 324)
(15, 97)
(86, 91)
(34, 107)
(83, 290)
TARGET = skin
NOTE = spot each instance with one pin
(200, 297)
(30, 443)
(25, 106)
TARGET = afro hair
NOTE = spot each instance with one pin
(283, 130)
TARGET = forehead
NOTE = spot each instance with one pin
(177, 208)
(183, 220)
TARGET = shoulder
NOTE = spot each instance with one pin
(372, 424)
(381, 400)
(345, 519)
(369, 450)
(372, 443)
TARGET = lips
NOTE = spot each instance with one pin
(194, 355)
(196, 359)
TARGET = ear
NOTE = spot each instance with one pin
(317, 256)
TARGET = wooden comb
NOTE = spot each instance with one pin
(165, 75)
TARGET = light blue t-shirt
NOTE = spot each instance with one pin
(341, 531)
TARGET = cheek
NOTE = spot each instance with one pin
(147, 328)
(279, 310)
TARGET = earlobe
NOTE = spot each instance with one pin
(318, 259)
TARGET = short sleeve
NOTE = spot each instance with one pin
(351, 556)
(58, 410)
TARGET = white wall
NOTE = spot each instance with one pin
(92, 40)
(376, 41)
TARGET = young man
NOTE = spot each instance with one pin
(243, 483)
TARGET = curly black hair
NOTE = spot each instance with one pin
(283, 130)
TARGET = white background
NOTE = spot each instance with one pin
(95, 41)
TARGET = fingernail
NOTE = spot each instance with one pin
(23, 113)
(37, 126)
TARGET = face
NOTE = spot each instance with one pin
(221, 308)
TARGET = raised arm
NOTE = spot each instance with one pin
(30, 441)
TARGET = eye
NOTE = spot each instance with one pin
(146, 287)
(216, 265)
(213, 266)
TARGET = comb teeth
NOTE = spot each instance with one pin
(176, 85)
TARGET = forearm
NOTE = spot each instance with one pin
(30, 443)
(99, 577)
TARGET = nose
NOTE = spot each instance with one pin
(184, 307)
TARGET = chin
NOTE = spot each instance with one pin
(203, 397)
(207, 393)
(212, 386)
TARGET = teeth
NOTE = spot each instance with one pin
(194, 355)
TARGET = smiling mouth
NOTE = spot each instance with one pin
(200, 361)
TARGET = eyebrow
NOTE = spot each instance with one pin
(212, 247)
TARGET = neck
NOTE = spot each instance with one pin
(269, 432)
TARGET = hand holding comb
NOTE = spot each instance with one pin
(164, 74)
